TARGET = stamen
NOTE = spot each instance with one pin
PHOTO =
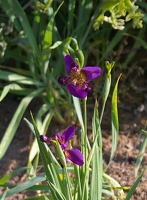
(77, 78)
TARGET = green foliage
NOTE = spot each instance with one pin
(133, 188)
(36, 76)
(114, 122)
(141, 152)
(25, 185)
(35, 38)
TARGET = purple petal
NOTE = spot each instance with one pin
(75, 156)
(69, 63)
(66, 136)
(92, 72)
(63, 80)
(58, 137)
(61, 141)
(68, 133)
(76, 91)
(87, 88)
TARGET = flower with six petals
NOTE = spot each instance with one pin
(77, 80)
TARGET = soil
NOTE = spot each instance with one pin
(132, 118)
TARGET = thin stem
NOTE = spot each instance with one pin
(85, 131)
(67, 183)
(78, 188)
(89, 27)
(85, 152)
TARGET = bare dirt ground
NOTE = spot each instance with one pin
(132, 117)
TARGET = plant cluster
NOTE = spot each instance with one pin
(35, 36)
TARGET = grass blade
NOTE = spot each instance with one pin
(43, 126)
(141, 154)
(47, 41)
(7, 88)
(16, 13)
(114, 120)
(25, 185)
(50, 166)
(115, 40)
(12, 127)
(5, 178)
(97, 168)
(114, 185)
(133, 188)
(8, 9)
(71, 9)
(9, 76)
(4, 195)
(78, 111)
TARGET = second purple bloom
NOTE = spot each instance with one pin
(70, 153)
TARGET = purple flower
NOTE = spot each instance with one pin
(71, 154)
(77, 80)
(65, 137)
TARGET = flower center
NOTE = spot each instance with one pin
(77, 78)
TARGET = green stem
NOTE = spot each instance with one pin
(85, 152)
(78, 189)
(85, 131)
(67, 183)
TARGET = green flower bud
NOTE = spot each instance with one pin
(80, 57)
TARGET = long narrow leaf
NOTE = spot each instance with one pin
(78, 111)
(54, 181)
(4, 195)
(133, 188)
(96, 182)
(71, 10)
(115, 185)
(43, 126)
(114, 120)
(5, 178)
(14, 10)
(7, 88)
(106, 88)
(8, 9)
(49, 152)
(12, 127)
(47, 41)
(141, 154)
(115, 40)
(84, 10)
(9, 76)
(25, 185)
